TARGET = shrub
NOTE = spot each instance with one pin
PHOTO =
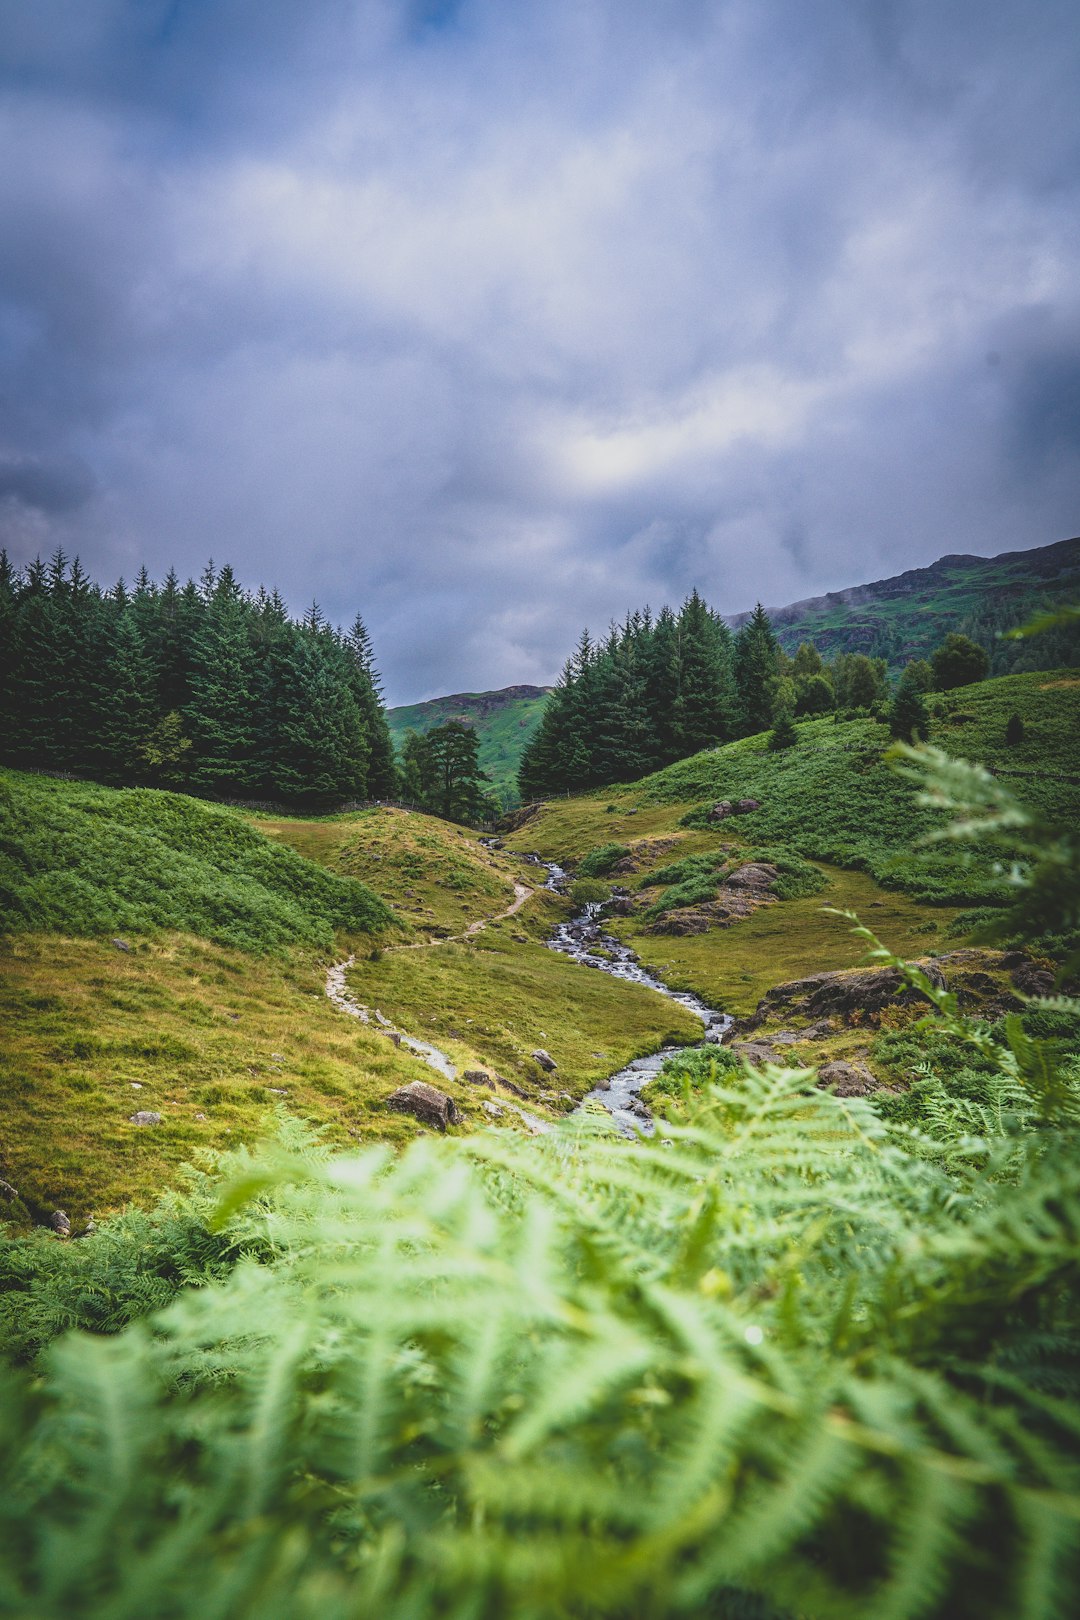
(589, 892)
(599, 862)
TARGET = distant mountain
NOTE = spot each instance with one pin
(908, 615)
(897, 619)
(504, 721)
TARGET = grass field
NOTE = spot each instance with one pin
(130, 1008)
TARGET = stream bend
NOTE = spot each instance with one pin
(581, 938)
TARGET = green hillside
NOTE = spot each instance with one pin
(504, 722)
(833, 800)
(907, 616)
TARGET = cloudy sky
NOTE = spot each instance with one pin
(498, 317)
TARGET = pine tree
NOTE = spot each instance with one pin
(221, 711)
(131, 716)
(756, 660)
(784, 733)
(908, 719)
(382, 778)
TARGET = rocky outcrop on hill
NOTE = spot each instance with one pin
(426, 1103)
(739, 895)
(982, 979)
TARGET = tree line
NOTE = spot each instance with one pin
(659, 689)
(201, 686)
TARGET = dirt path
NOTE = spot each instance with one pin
(521, 894)
(337, 993)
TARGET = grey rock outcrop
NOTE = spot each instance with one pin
(847, 1079)
(426, 1103)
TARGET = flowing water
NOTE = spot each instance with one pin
(583, 939)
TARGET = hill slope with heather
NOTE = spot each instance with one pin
(908, 615)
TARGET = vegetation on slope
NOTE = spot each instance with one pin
(905, 617)
(504, 723)
(786, 1359)
(833, 800)
(438, 877)
(833, 797)
(83, 860)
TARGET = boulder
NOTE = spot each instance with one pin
(755, 1051)
(426, 1103)
(754, 875)
(508, 1085)
(545, 1060)
(847, 1079)
(145, 1116)
(850, 990)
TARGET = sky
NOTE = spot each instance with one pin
(490, 319)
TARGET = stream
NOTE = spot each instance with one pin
(582, 938)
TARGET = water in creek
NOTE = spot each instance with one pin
(582, 938)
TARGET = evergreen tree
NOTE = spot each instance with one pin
(366, 689)
(129, 722)
(756, 661)
(703, 709)
(784, 733)
(908, 719)
(221, 711)
(860, 681)
(453, 752)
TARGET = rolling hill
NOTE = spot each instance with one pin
(504, 722)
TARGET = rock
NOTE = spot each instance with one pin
(1028, 977)
(733, 807)
(479, 1077)
(754, 875)
(839, 994)
(508, 1085)
(545, 1060)
(426, 1103)
(7, 1190)
(145, 1116)
(122, 945)
(60, 1223)
(755, 1051)
(847, 1079)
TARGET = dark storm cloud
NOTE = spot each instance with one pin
(60, 485)
(491, 320)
